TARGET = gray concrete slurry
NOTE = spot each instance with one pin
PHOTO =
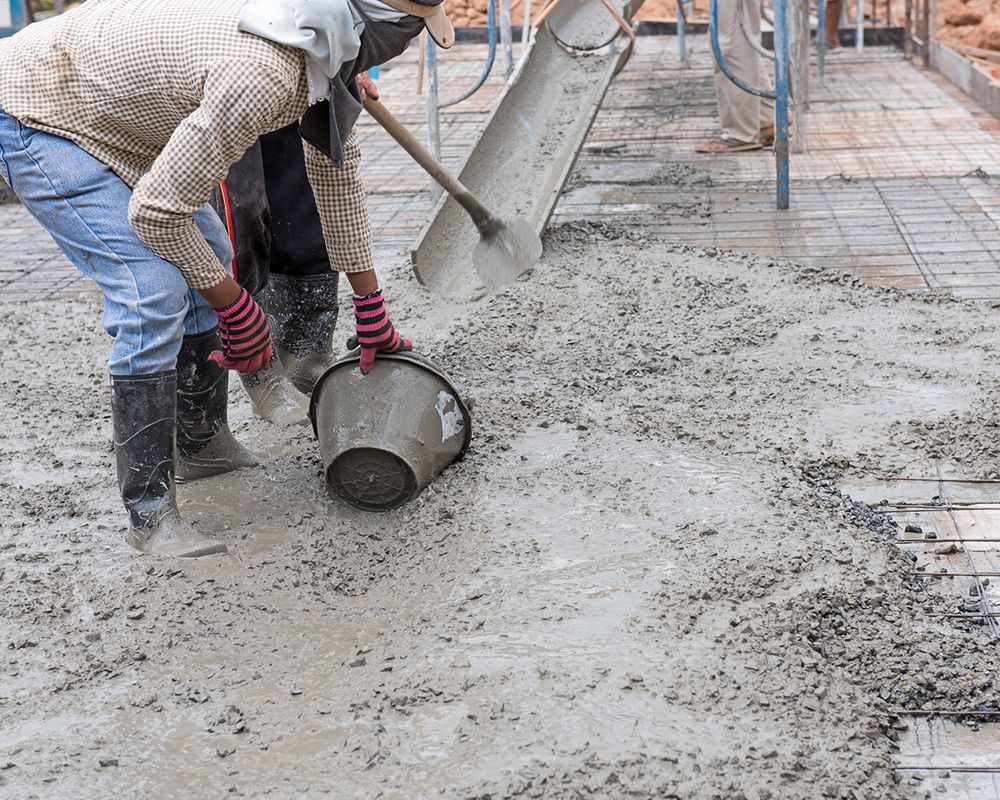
(641, 581)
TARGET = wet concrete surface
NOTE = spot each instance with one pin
(642, 580)
(930, 749)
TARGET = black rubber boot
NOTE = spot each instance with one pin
(303, 313)
(272, 395)
(143, 409)
(205, 445)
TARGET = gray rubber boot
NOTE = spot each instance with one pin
(303, 312)
(272, 395)
(205, 445)
(143, 411)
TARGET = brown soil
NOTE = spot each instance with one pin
(472, 13)
(969, 23)
(975, 23)
(667, 10)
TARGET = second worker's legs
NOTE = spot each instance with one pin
(242, 204)
(740, 113)
(302, 291)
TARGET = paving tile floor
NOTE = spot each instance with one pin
(899, 182)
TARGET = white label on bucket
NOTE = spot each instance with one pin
(5, 16)
(452, 420)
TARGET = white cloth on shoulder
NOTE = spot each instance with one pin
(328, 31)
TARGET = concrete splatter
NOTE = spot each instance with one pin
(640, 582)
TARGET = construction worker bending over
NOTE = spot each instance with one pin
(117, 120)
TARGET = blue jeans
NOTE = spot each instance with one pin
(148, 306)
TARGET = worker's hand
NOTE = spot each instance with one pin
(367, 87)
(246, 337)
(375, 331)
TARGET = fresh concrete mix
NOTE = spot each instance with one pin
(641, 581)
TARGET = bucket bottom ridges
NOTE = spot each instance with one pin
(371, 479)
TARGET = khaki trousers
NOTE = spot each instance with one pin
(742, 114)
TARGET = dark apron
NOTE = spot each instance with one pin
(273, 222)
(270, 212)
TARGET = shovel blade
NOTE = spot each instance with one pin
(505, 251)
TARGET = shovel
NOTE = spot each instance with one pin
(507, 247)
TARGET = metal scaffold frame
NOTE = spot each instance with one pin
(918, 29)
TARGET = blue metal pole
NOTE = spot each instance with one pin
(859, 27)
(681, 25)
(491, 40)
(720, 59)
(13, 16)
(821, 38)
(781, 99)
(780, 93)
(433, 121)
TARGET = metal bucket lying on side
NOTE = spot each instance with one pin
(384, 436)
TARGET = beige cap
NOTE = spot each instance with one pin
(435, 20)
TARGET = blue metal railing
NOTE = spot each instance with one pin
(781, 100)
(13, 16)
(859, 26)
(821, 38)
(682, 28)
(434, 104)
(779, 94)
(491, 54)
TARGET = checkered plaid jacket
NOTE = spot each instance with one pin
(169, 94)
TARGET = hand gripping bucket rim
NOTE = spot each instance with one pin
(405, 481)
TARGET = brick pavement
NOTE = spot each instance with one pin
(898, 183)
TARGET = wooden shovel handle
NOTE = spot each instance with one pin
(425, 158)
